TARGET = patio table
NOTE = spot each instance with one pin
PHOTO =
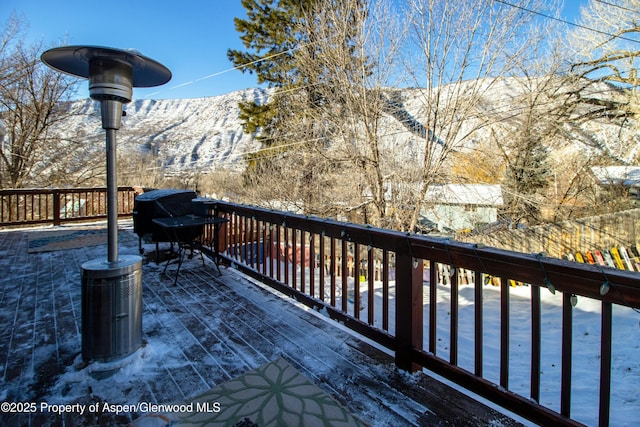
(186, 232)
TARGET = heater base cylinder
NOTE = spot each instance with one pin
(111, 308)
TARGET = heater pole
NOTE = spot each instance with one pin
(112, 198)
(111, 110)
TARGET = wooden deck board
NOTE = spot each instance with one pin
(220, 326)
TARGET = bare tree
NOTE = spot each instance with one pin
(527, 128)
(348, 123)
(602, 98)
(607, 50)
(549, 112)
(459, 52)
(346, 63)
(30, 104)
(329, 124)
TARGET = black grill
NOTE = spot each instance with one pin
(161, 204)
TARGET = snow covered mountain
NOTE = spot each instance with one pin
(205, 134)
(201, 134)
(182, 134)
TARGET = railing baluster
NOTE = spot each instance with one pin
(453, 327)
(356, 280)
(333, 266)
(536, 336)
(385, 290)
(504, 332)
(567, 352)
(294, 256)
(303, 254)
(344, 274)
(605, 364)
(478, 323)
(40, 199)
(272, 247)
(234, 236)
(255, 243)
(371, 285)
(247, 244)
(286, 256)
(247, 241)
(312, 265)
(322, 266)
(239, 237)
(251, 243)
(242, 247)
(279, 252)
(264, 247)
(433, 307)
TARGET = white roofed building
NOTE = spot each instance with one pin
(627, 177)
(462, 206)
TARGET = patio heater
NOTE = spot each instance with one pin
(111, 288)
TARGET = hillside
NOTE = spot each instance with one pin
(206, 134)
(182, 134)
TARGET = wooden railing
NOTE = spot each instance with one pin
(55, 206)
(403, 278)
(389, 287)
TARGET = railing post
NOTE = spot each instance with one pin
(409, 303)
(56, 207)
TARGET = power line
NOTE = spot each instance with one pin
(284, 90)
(237, 67)
(242, 66)
(546, 16)
(564, 21)
(628, 9)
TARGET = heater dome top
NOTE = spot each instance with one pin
(74, 60)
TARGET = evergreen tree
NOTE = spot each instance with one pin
(270, 36)
(527, 176)
(283, 50)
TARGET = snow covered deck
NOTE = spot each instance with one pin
(206, 330)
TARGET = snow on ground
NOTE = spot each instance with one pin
(161, 350)
(625, 374)
(625, 370)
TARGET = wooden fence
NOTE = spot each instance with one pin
(620, 229)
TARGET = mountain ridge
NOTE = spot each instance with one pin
(206, 134)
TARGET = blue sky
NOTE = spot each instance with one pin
(190, 37)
